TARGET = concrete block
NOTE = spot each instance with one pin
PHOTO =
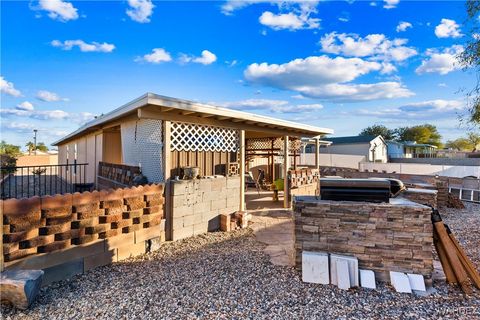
(218, 184)
(178, 200)
(20, 287)
(233, 182)
(177, 223)
(233, 202)
(148, 233)
(204, 185)
(400, 282)
(219, 204)
(343, 274)
(178, 187)
(99, 259)
(202, 207)
(189, 220)
(417, 282)
(367, 279)
(200, 228)
(119, 241)
(131, 250)
(182, 211)
(315, 267)
(62, 271)
(182, 233)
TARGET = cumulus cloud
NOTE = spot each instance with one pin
(206, 58)
(278, 106)
(288, 21)
(58, 9)
(83, 46)
(158, 55)
(20, 127)
(448, 29)
(27, 106)
(140, 10)
(440, 62)
(9, 88)
(80, 117)
(377, 46)
(390, 4)
(403, 26)
(326, 78)
(430, 109)
(48, 96)
(230, 6)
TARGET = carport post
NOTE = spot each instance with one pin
(286, 165)
(317, 153)
(242, 170)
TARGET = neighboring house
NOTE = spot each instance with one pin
(410, 149)
(372, 147)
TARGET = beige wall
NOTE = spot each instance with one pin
(37, 160)
(112, 151)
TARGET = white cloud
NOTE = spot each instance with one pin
(231, 6)
(83, 46)
(288, 21)
(231, 63)
(448, 29)
(403, 26)
(278, 106)
(48, 96)
(21, 127)
(27, 106)
(206, 58)
(326, 78)
(343, 19)
(80, 117)
(158, 55)
(377, 46)
(390, 4)
(8, 88)
(430, 109)
(141, 10)
(58, 9)
(440, 62)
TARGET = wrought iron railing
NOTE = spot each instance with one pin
(29, 181)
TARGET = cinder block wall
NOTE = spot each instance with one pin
(196, 205)
(385, 237)
(72, 233)
(422, 196)
(304, 182)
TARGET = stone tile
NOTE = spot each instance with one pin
(416, 282)
(343, 274)
(315, 267)
(367, 279)
(400, 282)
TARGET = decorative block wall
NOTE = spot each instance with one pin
(196, 205)
(44, 232)
(396, 236)
(304, 182)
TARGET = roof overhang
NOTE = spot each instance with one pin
(152, 106)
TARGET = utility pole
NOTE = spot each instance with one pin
(35, 141)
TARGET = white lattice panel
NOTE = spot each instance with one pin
(193, 137)
(142, 145)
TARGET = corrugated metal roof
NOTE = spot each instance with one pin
(351, 139)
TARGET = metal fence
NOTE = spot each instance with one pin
(28, 181)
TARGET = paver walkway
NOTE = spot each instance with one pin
(275, 228)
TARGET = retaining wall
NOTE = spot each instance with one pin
(196, 205)
(421, 196)
(396, 236)
(72, 233)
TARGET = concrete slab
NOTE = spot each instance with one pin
(416, 282)
(315, 267)
(352, 267)
(343, 274)
(367, 279)
(400, 282)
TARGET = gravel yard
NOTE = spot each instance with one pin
(227, 275)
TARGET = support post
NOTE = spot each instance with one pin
(242, 170)
(286, 165)
(273, 159)
(166, 175)
(317, 153)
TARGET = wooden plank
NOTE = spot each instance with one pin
(242, 170)
(286, 165)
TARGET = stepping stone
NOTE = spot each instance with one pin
(20, 287)
(343, 274)
(352, 267)
(367, 279)
(400, 282)
(315, 267)
(417, 282)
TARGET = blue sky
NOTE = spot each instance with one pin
(338, 64)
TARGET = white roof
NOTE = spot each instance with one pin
(195, 108)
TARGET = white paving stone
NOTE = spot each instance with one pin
(416, 282)
(352, 267)
(343, 274)
(400, 282)
(315, 267)
(367, 279)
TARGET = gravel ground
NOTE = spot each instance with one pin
(227, 275)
